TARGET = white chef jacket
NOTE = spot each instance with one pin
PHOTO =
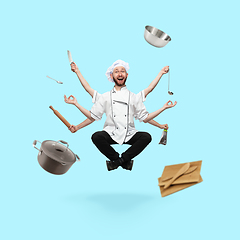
(120, 108)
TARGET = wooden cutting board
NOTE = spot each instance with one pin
(175, 188)
(170, 170)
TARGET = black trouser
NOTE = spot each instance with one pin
(138, 142)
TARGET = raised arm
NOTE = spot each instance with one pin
(82, 80)
(156, 113)
(72, 100)
(154, 83)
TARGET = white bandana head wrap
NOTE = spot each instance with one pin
(118, 63)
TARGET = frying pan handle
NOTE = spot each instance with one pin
(78, 158)
(34, 144)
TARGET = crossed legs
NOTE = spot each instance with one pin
(138, 142)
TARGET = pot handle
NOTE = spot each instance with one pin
(63, 142)
(34, 144)
(78, 158)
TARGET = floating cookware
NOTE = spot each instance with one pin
(55, 157)
(156, 37)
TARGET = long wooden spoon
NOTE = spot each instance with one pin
(190, 170)
(182, 170)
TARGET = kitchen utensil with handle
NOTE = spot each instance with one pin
(178, 174)
(169, 92)
(55, 80)
(190, 170)
(163, 139)
(60, 117)
(69, 56)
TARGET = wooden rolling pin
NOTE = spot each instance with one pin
(60, 117)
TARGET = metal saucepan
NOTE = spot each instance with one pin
(55, 157)
(156, 37)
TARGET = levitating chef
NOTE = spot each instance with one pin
(95, 95)
(120, 106)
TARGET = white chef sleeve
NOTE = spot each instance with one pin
(97, 109)
(96, 96)
(141, 96)
(140, 111)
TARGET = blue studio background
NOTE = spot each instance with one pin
(88, 202)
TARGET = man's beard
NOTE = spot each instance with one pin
(121, 84)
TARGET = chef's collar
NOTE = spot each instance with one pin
(122, 89)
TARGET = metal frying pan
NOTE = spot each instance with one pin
(156, 37)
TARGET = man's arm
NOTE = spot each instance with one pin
(156, 113)
(72, 100)
(83, 124)
(82, 80)
(156, 124)
(154, 83)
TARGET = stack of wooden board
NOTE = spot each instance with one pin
(182, 182)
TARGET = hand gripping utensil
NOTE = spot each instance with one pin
(190, 170)
(69, 56)
(182, 170)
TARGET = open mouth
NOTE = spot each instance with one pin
(120, 79)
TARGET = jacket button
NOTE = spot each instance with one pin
(125, 115)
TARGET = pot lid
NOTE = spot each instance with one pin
(58, 152)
